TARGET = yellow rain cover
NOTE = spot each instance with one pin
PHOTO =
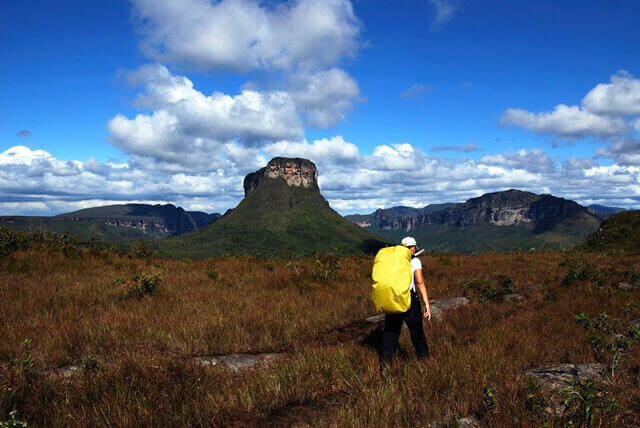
(391, 280)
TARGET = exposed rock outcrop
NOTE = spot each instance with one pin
(563, 374)
(500, 208)
(237, 362)
(438, 307)
(466, 422)
(296, 172)
(63, 372)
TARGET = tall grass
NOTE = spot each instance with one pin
(73, 309)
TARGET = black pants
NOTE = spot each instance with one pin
(393, 327)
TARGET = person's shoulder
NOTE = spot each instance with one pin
(416, 263)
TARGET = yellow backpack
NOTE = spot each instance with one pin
(391, 280)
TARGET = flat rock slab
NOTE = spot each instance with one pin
(563, 374)
(529, 289)
(513, 297)
(438, 307)
(375, 318)
(466, 422)
(625, 286)
(237, 362)
(63, 372)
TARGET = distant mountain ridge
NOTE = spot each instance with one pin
(606, 210)
(117, 222)
(283, 214)
(495, 221)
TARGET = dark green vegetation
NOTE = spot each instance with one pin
(490, 237)
(116, 222)
(618, 233)
(501, 221)
(275, 220)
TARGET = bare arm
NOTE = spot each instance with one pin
(422, 289)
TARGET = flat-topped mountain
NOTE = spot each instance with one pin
(296, 172)
(282, 214)
(495, 221)
(117, 222)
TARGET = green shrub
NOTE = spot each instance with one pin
(489, 400)
(146, 283)
(118, 282)
(90, 364)
(488, 290)
(25, 364)
(11, 241)
(535, 400)
(12, 422)
(603, 337)
(143, 251)
(601, 333)
(212, 274)
(578, 271)
(325, 269)
(583, 401)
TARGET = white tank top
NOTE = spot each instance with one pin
(415, 265)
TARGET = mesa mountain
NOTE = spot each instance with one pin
(116, 222)
(282, 214)
(500, 221)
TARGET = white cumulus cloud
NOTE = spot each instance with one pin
(189, 129)
(534, 160)
(244, 35)
(324, 97)
(569, 122)
(620, 97)
(36, 182)
(330, 151)
(607, 112)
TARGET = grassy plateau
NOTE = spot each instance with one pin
(133, 322)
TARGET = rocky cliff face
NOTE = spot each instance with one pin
(159, 219)
(295, 171)
(506, 208)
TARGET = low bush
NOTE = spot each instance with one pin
(579, 271)
(212, 274)
(143, 284)
(12, 240)
(325, 269)
(488, 290)
(583, 401)
(602, 333)
(535, 400)
(25, 364)
(489, 400)
(12, 422)
(143, 251)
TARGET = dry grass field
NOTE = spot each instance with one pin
(134, 338)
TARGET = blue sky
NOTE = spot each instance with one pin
(116, 100)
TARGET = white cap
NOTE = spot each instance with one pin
(409, 242)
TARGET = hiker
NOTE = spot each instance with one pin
(412, 317)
